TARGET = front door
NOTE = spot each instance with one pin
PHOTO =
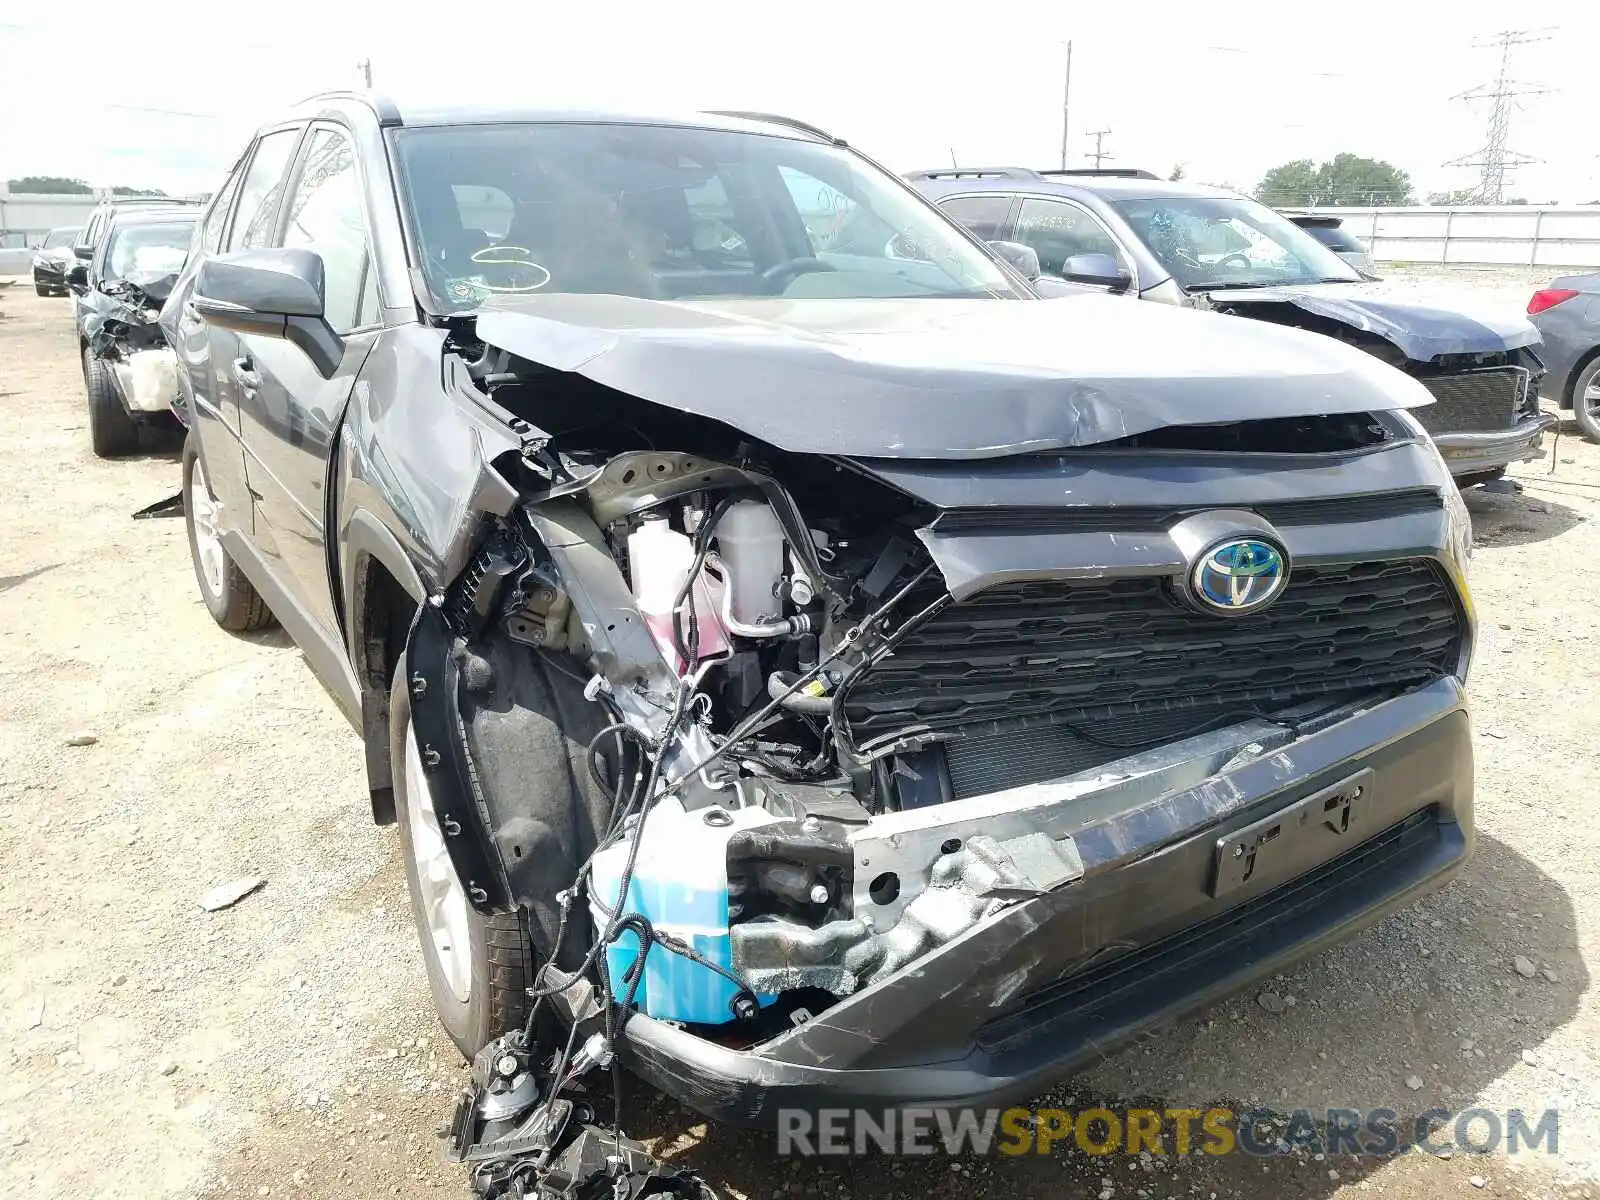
(291, 404)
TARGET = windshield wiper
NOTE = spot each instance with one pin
(1215, 285)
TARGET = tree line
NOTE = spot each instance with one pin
(61, 185)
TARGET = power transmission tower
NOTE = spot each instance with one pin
(1493, 158)
(1099, 136)
(365, 67)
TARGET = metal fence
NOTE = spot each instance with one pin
(1515, 235)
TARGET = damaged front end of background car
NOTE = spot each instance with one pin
(826, 714)
(124, 334)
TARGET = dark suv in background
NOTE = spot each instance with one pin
(1134, 234)
(129, 376)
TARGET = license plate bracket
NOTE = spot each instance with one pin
(1328, 814)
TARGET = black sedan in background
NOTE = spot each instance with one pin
(52, 260)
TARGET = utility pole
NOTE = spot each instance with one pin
(365, 67)
(1100, 152)
(1066, 100)
(1493, 158)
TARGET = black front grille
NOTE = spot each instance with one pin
(1088, 656)
(1473, 401)
(1133, 518)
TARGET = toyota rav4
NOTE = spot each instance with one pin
(823, 675)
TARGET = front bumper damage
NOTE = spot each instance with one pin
(1140, 939)
(944, 784)
(1475, 453)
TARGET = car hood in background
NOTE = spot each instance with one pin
(944, 379)
(1422, 322)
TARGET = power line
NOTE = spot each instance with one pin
(1493, 158)
(1100, 152)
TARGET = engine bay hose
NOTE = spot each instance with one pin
(781, 687)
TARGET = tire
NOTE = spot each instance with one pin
(41, 289)
(1586, 399)
(112, 431)
(479, 992)
(230, 598)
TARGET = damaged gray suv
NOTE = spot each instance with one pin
(836, 676)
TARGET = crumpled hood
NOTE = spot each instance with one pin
(155, 285)
(1423, 322)
(944, 379)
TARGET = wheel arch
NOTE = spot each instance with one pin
(1569, 394)
(382, 593)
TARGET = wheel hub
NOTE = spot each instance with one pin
(444, 900)
(204, 514)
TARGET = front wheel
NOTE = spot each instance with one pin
(479, 967)
(112, 430)
(1586, 400)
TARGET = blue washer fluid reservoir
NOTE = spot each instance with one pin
(679, 885)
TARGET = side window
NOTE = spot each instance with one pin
(264, 180)
(217, 216)
(984, 215)
(1058, 230)
(326, 215)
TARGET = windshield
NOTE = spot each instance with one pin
(1229, 241)
(148, 249)
(670, 213)
(58, 238)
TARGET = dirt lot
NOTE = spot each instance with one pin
(284, 1046)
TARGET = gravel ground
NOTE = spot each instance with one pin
(284, 1046)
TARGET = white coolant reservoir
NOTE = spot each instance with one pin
(750, 541)
(659, 559)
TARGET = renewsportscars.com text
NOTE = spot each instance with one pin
(1377, 1132)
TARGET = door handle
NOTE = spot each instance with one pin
(247, 379)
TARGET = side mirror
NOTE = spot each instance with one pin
(78, 276)
(271, 293)
(83, 253)
(1024, 258)
(1099, 269)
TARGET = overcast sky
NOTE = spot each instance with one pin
(1229, 90)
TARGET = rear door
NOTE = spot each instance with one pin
(186, 333)
(291, 406)
(252, 222)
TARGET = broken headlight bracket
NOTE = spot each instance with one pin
(529, 1130)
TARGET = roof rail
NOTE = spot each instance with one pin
(387, 112)
(777, 119)
(974, 173)
(1114, 172)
